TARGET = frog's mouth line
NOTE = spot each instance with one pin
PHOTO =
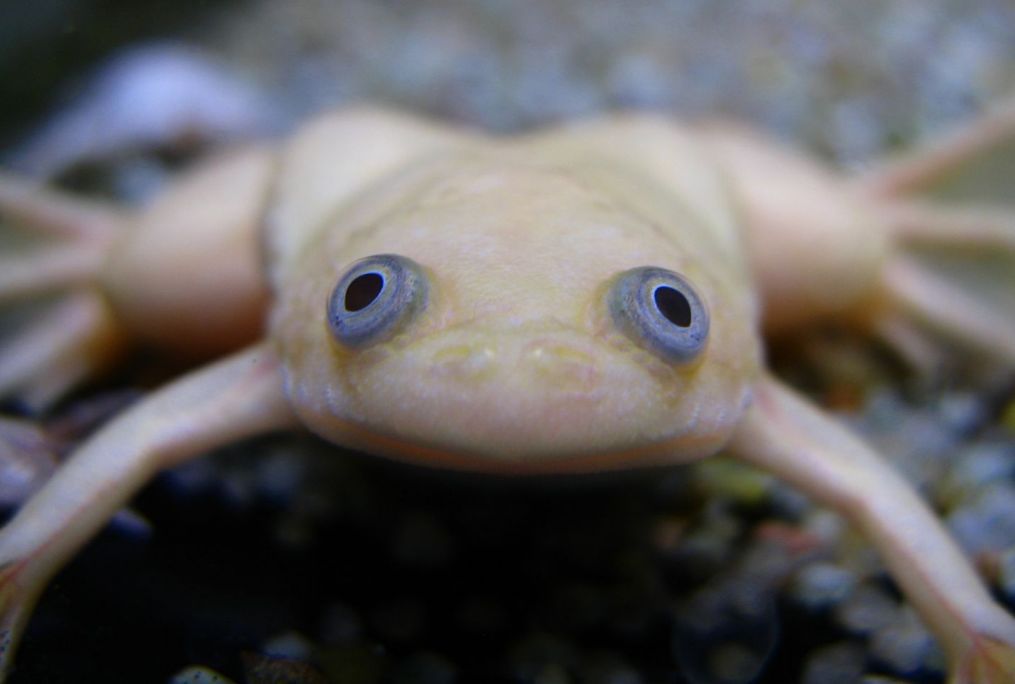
(680, 449)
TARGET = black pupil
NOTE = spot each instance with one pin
(363, 290)
(673, 305)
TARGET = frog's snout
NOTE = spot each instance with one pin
(551, 363)
(530, 394)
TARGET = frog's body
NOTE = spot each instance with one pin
(573, 300)
(513, 339)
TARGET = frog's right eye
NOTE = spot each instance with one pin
(659, 310)
(375, 299)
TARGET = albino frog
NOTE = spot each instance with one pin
(587, 298)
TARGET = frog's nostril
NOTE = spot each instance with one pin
(463, 361)
(564, 366)
(543, 366)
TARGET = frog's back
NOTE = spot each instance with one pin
(642, 163)
(659, 157)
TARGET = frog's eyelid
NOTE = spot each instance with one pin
(659, 310)
(375, 298)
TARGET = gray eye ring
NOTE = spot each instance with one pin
(375, 298)
(659, 310)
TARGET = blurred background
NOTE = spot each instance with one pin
(846, 79)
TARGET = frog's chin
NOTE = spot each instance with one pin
(518, 462)
(516, 437)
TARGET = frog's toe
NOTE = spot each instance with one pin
(36, 210)
(950, 277)
(988, 661)
(53, 245)
(51, 240)
(16, 603)
(970, 303)
(27, 459)
(66, 344)
(948, 207)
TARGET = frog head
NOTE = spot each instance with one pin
(495, 313)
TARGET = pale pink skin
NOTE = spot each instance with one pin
(514, 366)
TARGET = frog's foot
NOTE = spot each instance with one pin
(952, 275)
(928, 302)
(17, 598)
(66, 344)
(52, 241)
(988, 661)
(972, 161)
(27, 459)
(948, 209)
(54, 244)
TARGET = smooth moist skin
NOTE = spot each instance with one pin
(545, 325)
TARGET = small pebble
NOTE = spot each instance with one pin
(421, 541)
(709, 547)
(424, 667)
(577, 607)
(963, 411)
(839, 663)
(290, 645)
(541, 656)
(552, 674)
(975, 468)
(399, 619)
(867, 609)
(262, 669)
(905, 647)
(825, 525)
(608, 668)
(742, 484)
(353, 664)
(1008, 416)
(1006, 573)
(820, 585)
(341, 624)
(733, 663)
(198, 674)
(986, 523)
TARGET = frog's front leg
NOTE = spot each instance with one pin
(785, 435)
(234, 398)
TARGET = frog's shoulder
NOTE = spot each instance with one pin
(330, 159)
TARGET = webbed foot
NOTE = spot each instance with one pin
(987, 661)
(54, 244)
(17, 598)
(948, 208)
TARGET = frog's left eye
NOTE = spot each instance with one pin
(659, 310)
(375, 298)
